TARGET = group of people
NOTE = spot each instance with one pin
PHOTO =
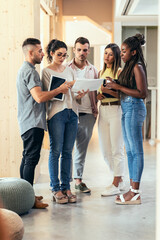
(70, 122)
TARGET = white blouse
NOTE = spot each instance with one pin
(69, 102)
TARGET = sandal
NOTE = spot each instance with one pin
(72, 198)
(134, 200)
(59, 199)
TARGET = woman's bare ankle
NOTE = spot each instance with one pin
(117, 180)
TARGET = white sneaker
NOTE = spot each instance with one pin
(110, 190)
(121, 186)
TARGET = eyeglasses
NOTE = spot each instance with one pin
(60, 55)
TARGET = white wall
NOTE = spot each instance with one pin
(158, 142)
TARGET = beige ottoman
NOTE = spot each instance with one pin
(11, 225)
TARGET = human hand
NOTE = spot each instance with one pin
(104, 86)
(71, 83)
(110, 84)
(81, 94)
(100, 96)
(109, 79)
(64, 88)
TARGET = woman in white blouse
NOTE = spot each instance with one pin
(62, 123)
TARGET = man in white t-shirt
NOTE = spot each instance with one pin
(87, 108)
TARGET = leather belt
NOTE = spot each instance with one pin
(82, 114)
(110, 103)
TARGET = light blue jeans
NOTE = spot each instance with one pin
(62, 129)
(133, 115)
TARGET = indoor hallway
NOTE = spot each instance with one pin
(95, 217)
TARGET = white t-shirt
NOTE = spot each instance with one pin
(85, 106)
(69, 102)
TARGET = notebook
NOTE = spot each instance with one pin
(55, 82)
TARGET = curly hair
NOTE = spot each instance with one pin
(134, 43)
(53, 46)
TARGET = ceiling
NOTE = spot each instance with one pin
(144, 7)
(126, 11)
(76, 26)
(137, 7)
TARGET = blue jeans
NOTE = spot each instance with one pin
(62, 129)
(133, 115)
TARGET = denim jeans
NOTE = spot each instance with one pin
(133, 115)
(32, 142)
(62, 129)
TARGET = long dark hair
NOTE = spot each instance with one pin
(53, 46)
(117, 58)
(134, 43)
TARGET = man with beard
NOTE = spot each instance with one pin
(87, 107)
(31, 110)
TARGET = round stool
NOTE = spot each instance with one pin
(11, 225)
(16, 195)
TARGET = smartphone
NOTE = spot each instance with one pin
(105, 82)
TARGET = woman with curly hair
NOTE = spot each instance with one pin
(133, 90)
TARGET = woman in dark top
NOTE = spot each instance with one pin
(133, 89)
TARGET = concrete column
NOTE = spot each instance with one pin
(118, 33)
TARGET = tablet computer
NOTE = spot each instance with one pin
(106, 94)
(55, 82)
